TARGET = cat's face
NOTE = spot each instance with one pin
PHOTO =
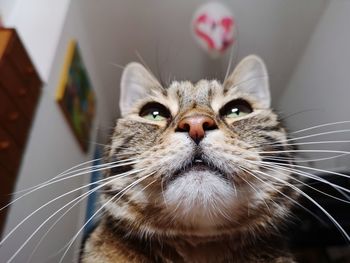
(194, 152)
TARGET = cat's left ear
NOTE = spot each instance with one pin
(136, 83)
(251, 77)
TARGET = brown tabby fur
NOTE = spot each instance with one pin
(145, 224)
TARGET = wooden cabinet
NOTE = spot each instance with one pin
(20, 87)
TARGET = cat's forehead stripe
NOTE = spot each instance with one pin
(189, 94)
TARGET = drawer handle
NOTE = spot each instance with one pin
(13, 116)
(22, 92)
(4, 145)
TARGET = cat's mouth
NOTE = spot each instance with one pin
(198, 164)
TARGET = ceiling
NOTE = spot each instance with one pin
(159, 31)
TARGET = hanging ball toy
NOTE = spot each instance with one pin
(214, 28)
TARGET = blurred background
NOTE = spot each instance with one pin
(306, 47)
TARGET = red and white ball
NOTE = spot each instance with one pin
(214, 28)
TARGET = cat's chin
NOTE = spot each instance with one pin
(201, 197)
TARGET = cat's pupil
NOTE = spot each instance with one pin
(155, 114)
(235, 111)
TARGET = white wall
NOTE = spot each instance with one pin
(320, 84)
(52, 147)
(277, 30)
(6, 8)
(39, 23)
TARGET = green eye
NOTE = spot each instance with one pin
(235, 109)
(235, 113)
(155, 112)
(154, 116)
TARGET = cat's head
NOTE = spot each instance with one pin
(194, 154)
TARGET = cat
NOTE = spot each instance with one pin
(189, 182)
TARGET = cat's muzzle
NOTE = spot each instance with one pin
(198, 163)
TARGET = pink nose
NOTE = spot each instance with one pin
(196, 126)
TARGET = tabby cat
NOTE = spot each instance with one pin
(189, 184)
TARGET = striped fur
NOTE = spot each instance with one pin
(226, 215)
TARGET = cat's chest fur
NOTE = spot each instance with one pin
(106, 245)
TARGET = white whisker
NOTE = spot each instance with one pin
(302, 137)
(335, 222)
(257, 192)
(338, 188)
(299, 160)
(313, 169)
(102, 207)
(88, 172)
(60, 196)
(270, 184)
(71, 171)
(314, 177)
(320, 126)
(305, 151)
(306, 143)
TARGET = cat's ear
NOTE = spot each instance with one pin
(251, 77)
(136, 83)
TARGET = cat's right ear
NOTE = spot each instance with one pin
(251, 77)
(136, 83)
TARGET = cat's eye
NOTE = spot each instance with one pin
(235, 109)
(155, 112)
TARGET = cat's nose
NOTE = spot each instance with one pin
(196, 126)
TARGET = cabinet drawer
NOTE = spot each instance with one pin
(23, 66)
(12, 119)
(20, 58)
(17, 89)
(10, 154)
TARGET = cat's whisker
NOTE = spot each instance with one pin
(304, 151)
(102, 207)
(229, 64)
(256, 190)
(54, 224)
(306, 143)
(70, 171)
(55, 254)
(162, 189)
(315, 169)
(106, 164)
(117, 65)
(86, 172)
(320, 126)
(65, 194)
(147, 66)
(316, 135)
(338, 188)
(60, 174)
(287, 167)
(299, 160)
(98, 144)
(314, 177)
(283, 118)
(223, 213)
(330, 217)
(270, 184)
(234, 188)
(81, 197)
(284, 142)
